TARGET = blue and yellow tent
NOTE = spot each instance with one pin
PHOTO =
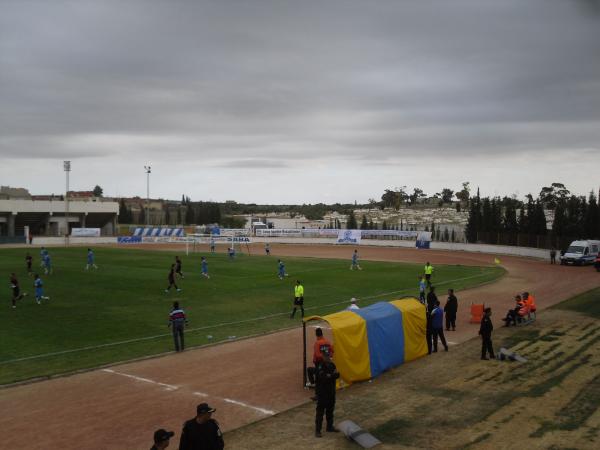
(371, 340)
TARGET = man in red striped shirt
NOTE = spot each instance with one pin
(177, 322)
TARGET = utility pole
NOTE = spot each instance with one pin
(67, 169)
(148, 171)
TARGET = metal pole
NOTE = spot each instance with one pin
(67, 168)
(304, 380)
(148, 170)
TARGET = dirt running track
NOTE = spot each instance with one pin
(248, 380)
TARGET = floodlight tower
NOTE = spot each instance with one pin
(148, 171)
(67, 169)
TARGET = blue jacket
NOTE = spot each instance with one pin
(437, 317)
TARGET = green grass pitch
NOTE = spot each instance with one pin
(120, 311)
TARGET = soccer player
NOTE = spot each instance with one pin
(355, 261)
(204, 265)
(268, 249)
(212, 245)
(282, 273)
(231, 252)
(47, 264)
(43, 253)
(29, 262)
(171, 278)
(16, 291)
(91, 260)
(178, 267)
(39, 289)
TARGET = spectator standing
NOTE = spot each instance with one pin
(431, 301)
(161, 439)
(485, 331)
(422, 286)
(202, 432)
(553, 256)
(437, 326)
(450, 309)
(177, 322)
(320, 344)
(325, 390)
(353, 305)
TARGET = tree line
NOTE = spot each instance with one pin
(576, 217)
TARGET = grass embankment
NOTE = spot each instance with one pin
(456, 401)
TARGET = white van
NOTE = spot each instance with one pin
(581, 253)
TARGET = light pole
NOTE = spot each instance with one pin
(67, 169)
(148, 171)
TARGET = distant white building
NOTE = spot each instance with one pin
(47, 216)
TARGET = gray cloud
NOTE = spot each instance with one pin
(278, 85)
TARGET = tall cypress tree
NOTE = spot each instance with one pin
(364, 225)
(351, 223)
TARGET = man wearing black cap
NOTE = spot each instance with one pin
(161, 439)
(327, 375)
(202, 432)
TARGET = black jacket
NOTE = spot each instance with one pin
(325, 382)
(486, 328)
(206, 436)
(431, 299)
(451, 305)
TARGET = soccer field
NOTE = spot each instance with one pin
(119, 311)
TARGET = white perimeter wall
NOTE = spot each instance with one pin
(476, 248)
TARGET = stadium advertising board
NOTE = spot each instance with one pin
(129, 239)
(349, 237)
(85, 232)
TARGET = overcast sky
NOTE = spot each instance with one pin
(299, 101)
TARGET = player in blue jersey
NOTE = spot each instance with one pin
(47, 264)
(282, 273)
(91, 260)
(39, 289)
(43, 253)
(355, 261)
(204, 265)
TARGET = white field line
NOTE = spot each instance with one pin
(266, 412)
(168, 387)
(222, 324)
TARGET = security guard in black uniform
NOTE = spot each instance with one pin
(327, 375)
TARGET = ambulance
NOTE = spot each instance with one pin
(581, 253)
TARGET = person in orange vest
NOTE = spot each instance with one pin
(318, 346)
(530, 301)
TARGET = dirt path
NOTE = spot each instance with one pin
(248, 380)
